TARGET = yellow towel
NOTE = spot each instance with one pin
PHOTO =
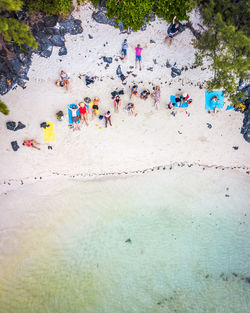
(49, 133)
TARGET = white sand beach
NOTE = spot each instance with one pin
(151, 139)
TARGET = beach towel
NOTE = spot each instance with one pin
(208, 97)
(229, 107)
(49, 133)
(184, 104)
(70, 113)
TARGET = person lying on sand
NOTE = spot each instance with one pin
(131, 109)
(65, 79)
(124, 50)
(31, 143)
(84, 111)
(95, 106)
(214, 101)
(117, 103)
(134, 91)
(144, 94)
(175, 27)
(75, 119)
(107, 117)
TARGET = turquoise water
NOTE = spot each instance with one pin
(162, 242)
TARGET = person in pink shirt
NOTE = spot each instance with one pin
(138, 51)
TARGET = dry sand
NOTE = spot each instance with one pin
(151, 139)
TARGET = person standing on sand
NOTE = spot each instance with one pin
(124, 49)
(157, 95)
(107, 117)
(134, 92)
(138, 51)
(65, 79)
(117, 103)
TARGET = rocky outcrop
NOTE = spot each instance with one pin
(49, 32)
(244, 87)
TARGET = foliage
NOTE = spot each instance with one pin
(130, 12)
(226, 44)
(169, 9)
(3, 108)
(51, 7)
(10, 28)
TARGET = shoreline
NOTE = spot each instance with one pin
(18, 183)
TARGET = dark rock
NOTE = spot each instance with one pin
(144, 27)
(152, 41)
(62, 51)
(11, 125)
(235, 147)
(247, 279)
(151, 17)
(90, 37)
(168, 65)
(245, 130)
(128, 240)
(14, 145)
(101, 18)
(176, 70)
(57, 40)
(173, 74)
(50, 21)
(20, 125)
(46, 51)
(108, 60)
(3, 52)
(120, 26)
(209, 125)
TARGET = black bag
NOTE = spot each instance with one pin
(176, 70)
(11, 125)
(20, 125)
(14, 145)
(44, 125)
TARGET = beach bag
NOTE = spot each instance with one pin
(44, 125)
(61, 84)
(100, 117)
(20, 125)
(14, 145)
(11, 125)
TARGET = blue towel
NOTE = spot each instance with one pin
(209, 105)
(70, 113)
(184, 104)
(230, 107)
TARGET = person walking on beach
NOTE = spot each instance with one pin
(95, 107)
(84, 113)
(107, 117)
(174, 29)
(117, 103)
(124, 49)
(75, 119)
(157, 96)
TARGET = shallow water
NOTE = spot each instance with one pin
(162, 242)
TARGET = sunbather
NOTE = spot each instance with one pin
(214, 101)
(75, 119)
(65, 79)
(144, 94)
(84, 111)
(134, 91)
(117, 103)
(131, 109)
(31, 143)
(95, 106)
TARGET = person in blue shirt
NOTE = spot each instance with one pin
(124, 49)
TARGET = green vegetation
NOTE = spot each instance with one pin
(10, 28)
(3, 108)
(225, 43)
